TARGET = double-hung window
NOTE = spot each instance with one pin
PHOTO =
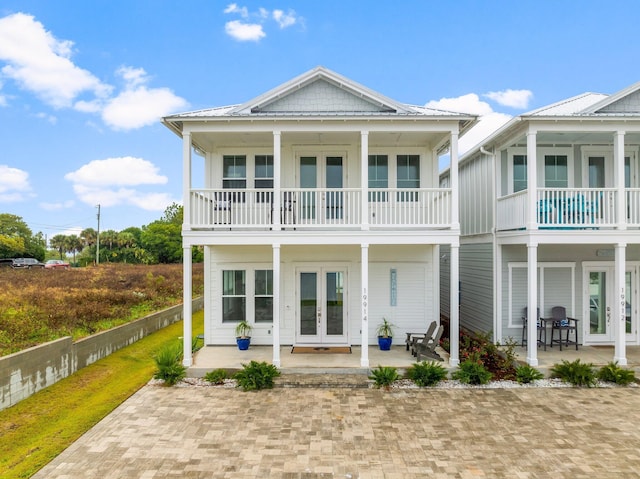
(263, 295)
(519, 173)
(234, 175)
(556, 173)
(234, 296)
(378, 176)
(408, 176)
(263, 178)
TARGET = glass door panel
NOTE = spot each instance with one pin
(308, 304)
(335, 304)
(596, 172)
(333, 179)
(308, 181)
(601, 305)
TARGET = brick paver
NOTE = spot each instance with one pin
(362, 433)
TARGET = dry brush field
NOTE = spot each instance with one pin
(41, 305)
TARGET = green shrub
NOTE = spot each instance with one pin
(472, 371)
(255, 375)
(480, 347)
(169, 362)
(575, 372)
(613, 373)
(217, 376)
(426, 374)
(384, 376)
(526, 374)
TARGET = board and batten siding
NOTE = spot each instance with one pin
(476, 196)
(476, 287)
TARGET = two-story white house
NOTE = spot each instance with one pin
(550, 216)
(319, 209)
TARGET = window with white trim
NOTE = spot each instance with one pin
(234, 296)
(263, 296)
(408, 176)
(378, 176)
(263, 177)
(556, 172)
(519, 173)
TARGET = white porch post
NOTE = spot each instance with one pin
(364, 335)
(532, 304)
(364, 179)
(276, 305)
(186, 180)
(453, 176)
(454, 307)
(277, 174)
(619, 306)
(187, 313)
(618, 176)
(532, 183)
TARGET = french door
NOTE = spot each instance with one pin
(322, 178)
(600, 296)
(321, 311)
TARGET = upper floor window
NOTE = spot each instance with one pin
(263, 177)
(408, 175)
(234, 172)
(556, 173)
(378, 176)
(519, 173)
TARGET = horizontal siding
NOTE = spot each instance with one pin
(445, 281)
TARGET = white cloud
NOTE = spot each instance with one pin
(57, 206)
(111, 182)
(40, 63)
(234, 8)
(45, 116)
(284, 19)
(125, 170)
(14, 184)
(469, 103)
(511, 98)
(244, 32)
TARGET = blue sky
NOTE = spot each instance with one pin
(83, 84)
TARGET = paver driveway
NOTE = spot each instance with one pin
(362, 433)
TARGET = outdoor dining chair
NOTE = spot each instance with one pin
(560, 322)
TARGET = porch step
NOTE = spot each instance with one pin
(322, 380)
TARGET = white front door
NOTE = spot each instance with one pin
(321, 312)
(599, 301)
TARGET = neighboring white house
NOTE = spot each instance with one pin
(550, 216)
(320, 212)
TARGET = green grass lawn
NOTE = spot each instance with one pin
(39, 428)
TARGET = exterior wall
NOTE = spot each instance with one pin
(416, 300)
(476, 286)
(445, 281)
(476, 196)
(26, 372)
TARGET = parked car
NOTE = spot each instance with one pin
(26, 263)
(6, 262)
(56, 264)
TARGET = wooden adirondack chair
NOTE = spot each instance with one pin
(428, 347)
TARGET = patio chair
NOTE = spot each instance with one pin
(412, 336)
(560, 322)
(428, 347)
(540, 326)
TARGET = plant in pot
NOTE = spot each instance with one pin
(243, 338)
(385, 335)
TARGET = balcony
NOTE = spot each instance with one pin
(320, 208)
(568, 208)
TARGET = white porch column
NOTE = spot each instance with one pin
(187, 327)
(532, 182)
(618, 177)
(532, 304)
(277, 174)
(276, 305)
(364, 335)
(364, 179)
(454, 306)
(455, 188)
(186, 180)
(618, 308)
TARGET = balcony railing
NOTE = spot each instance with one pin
(565, 208)
(320, 208)
(633, 206)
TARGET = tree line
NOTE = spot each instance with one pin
(157, 242)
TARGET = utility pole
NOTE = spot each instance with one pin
(98, 239)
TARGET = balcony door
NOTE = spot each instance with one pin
(321, 312)
(321, 178)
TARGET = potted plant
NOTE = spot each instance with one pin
(243, 338)
(385, 335)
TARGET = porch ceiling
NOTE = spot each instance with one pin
(576, 138)
(209, 141)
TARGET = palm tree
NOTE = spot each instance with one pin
(58, 242)
(74, 245)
